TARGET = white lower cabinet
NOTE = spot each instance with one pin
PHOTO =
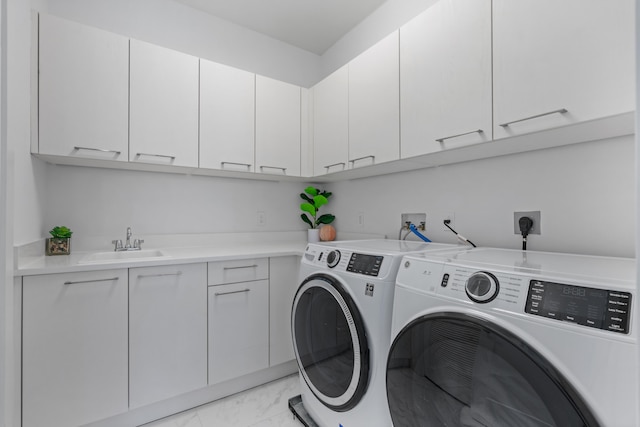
(167, 332)
(74, 355)
(283, 283)
(238, 318)
(238, 329)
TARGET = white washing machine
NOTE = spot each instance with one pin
(341, 327)
(497, 337)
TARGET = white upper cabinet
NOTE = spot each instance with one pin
(277, 127)
(561, 62)
(164, 106)
(331, 123)
(83, 91)
(374, 105)
(227, 117)
(445, 77)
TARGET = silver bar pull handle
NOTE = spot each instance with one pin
(92, 281)
(441, 140)
(165, 156)
(239, 267)
(362, 158)
(560, 111)
(231, 292)
(96, 149)
(335, 164)
(284, 170)
(248, 165)
(177, 273)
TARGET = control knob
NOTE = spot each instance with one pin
(482, 287)
(333, 258)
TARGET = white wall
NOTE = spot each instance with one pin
(105, 202)
(390, 16)
(176, 26)
(585, 192)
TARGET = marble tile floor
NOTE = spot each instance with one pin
(263, 406)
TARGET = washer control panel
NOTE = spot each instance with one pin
(369, 265)
(344, 260)
(596, 308)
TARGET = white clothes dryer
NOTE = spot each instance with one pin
(495, 337)
(341, 327)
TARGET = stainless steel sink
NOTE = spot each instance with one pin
(100, 257)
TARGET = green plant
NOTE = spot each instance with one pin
(313, 200)
(61, 232)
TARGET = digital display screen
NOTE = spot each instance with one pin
(596, 308)
(365, 264)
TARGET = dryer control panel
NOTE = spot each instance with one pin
(596, 308)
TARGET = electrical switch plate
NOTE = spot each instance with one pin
(413, 218)
(534, 215)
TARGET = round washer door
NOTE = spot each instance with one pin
(330, 342)
(456, 369)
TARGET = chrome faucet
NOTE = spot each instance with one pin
(137, 243)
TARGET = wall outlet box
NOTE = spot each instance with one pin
(413, 218)
(534, 215)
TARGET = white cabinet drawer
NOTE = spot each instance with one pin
(235, 271)
(238, 329)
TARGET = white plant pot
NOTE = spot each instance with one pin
(313, 235)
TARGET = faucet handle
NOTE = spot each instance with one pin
(118, 244)
(137, 243)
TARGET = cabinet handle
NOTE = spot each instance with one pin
(362, 158)
(156, 155)
(231, 292)
(177, 273)
(560, 111)
(91, 281)
(335, 164)
(248, 165)
(284, 170)
(441, 140)
(242, 266)
(97, 149)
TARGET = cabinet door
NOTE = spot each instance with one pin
(238, 329)
(283, 283)
(167, 332)
(74, 355)
(445, 77)
(164, 106)
(83, 91)
(227, 117)
(551, 56)
(277, 127)
(331, 123)
(374, 104)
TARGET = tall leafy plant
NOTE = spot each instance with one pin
(313, 200)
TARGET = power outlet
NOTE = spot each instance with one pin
(451, 216)
(535, 217)
(413, 218)
(361, 219)
(261, 218)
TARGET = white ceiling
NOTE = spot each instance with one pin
(313, 25)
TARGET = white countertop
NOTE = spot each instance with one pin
(30, 260)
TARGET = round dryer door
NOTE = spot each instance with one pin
(330, 343)
(456, 369)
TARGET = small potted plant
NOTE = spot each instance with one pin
(313, 200)
(60, 241)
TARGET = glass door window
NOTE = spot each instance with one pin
(330, 343)
(454, 369)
